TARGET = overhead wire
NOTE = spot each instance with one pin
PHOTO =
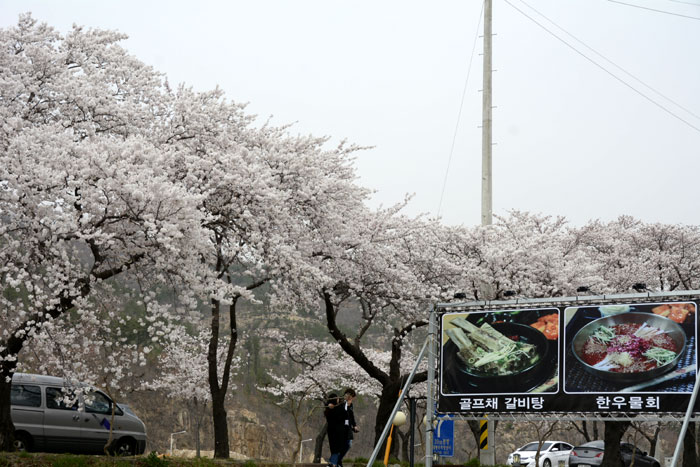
(662, 107)
(657, 92)
(654, 9)
(687, 3)
(459, 114)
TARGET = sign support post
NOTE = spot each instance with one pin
(688, 415)
(487, 452)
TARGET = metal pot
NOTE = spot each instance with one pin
(675, 332)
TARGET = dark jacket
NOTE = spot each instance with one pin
(337, 432)
(350, 417)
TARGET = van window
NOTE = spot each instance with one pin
(55, 399)
(26, 395)
(96, 402)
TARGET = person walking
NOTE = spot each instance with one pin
(337, 432)
(348, 423)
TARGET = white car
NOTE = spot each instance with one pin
(552, 454)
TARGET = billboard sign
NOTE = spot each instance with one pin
(637, 357)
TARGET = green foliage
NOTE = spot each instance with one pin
(202, 462)
(473, 463)
(249, 463)
(70, 461)
(24, 454)
(152, 460)
(120, 463)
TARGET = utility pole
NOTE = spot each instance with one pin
(486, 134)
(487, 451)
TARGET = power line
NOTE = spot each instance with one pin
(659, 93)
(459, 114)
(670, 112)
(687, 3)
(653, 9)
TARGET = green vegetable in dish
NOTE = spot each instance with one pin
(660, 356)
(604, 334)
(485, 350)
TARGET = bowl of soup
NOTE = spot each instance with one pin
(629, 347)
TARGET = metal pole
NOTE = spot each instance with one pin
(486, 130)
(171, 440)
(390, 422)
(688, 415)
(432, 331)
(301, 447)
(412, 416)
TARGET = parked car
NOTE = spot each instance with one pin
(551, 452)
(591, 453)
(44, 422)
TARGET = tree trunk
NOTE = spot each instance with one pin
(585, 431)
(7, 428)
(221, 448)
(613, 434)
(219, 390)
(690, 453)
(318, 444)
(387, 400)
(475, 428)
(654, 440)
(197, 412)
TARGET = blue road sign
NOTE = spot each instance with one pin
(444, 438)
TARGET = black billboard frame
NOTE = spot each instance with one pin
(562, 303)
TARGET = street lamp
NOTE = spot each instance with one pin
(399, 418)
(171, 440)
(301, 447)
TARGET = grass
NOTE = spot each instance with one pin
(24, 459)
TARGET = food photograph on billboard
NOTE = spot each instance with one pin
(500, 352)
(591, 358)
(645, 348)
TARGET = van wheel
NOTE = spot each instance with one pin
(22, 442)
(125, 447)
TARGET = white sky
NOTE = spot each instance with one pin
(570, 139)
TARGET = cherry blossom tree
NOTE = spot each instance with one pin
(315, 369)
(627, 251)
(387, 271)
(184, 372)
(529, 254)
(83, 197)
(108, 351)
(105, 169)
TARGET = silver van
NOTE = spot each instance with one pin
(44, 422)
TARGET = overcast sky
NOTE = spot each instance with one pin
(571, 137)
